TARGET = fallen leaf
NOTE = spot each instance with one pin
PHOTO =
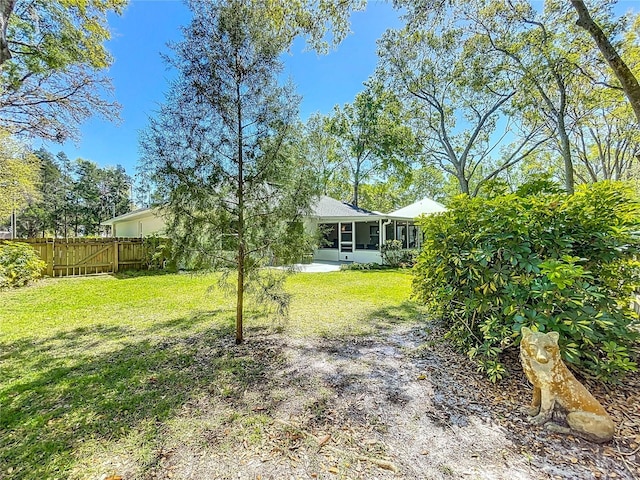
(324, 440)
(333, 470)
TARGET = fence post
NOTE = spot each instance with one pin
(116, 260)
(49, 256)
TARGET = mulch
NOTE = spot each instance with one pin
(465, 391)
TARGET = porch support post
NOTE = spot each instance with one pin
(353, 238)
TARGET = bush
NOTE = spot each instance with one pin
(360, 266)
(19, 264)
(548, 261)
(393, 255)
(157, 252)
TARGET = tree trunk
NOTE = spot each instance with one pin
(565, 148)
(356, 184)
(464, 184)
(240, 195)
(628, 81)
(6, 9)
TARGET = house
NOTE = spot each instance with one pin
(352, 234)
(349, 233)
(136, 224)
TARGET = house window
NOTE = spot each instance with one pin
(367, 235)
(329, 235)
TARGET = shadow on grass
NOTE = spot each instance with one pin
(128, 274)
(102, 383)
(109, 384)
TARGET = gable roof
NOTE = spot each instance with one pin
(424, 206)
(330, 207)
(141, 212)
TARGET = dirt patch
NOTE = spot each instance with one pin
(396, 405)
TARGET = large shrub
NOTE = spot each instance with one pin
(548, 261)
(19, 264)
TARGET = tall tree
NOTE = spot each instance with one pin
(221, 149)
(604, 139)
(43, 217)
(19, 176)
(621, 70)
(457, 94)
(372, 136)
(51, 57)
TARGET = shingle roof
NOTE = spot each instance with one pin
(330, 207)
(426, 205)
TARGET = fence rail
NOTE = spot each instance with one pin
(86, 256)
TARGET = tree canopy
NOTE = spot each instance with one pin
(19, 175)
(52, 55)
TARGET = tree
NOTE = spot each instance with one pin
(221, 151)
(51, 56)
(457, 94)
(372, 137)
(605, 142)
(19, 176)
(623, 73)
(74, 197)
(42, 217)
(321, 149)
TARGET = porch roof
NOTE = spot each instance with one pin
(421, 207)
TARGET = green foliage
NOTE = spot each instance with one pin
(53, 81)
(392, 253)
(19, 264)
(19, 175)
(372, 138)
(72, 198)
(157, 252)
(551, 262)
(395, 256)
(361, 266)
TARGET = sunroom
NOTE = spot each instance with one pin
(352, 234)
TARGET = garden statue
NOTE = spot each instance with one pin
(555, 388)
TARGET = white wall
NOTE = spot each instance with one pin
(131, 228)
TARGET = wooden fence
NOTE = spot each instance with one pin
(85, 256)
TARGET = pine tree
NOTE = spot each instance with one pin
(222, 154)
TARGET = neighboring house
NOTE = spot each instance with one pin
(350, 234)
(139, 223)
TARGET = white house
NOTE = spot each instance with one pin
(136, 224)
(350, 234)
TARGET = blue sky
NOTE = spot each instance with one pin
(140, 76)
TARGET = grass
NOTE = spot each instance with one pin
(100, 367)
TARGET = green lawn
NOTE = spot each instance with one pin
(96, 361)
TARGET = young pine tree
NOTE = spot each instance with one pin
(221, 150)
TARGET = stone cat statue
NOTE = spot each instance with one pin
(554, 386)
